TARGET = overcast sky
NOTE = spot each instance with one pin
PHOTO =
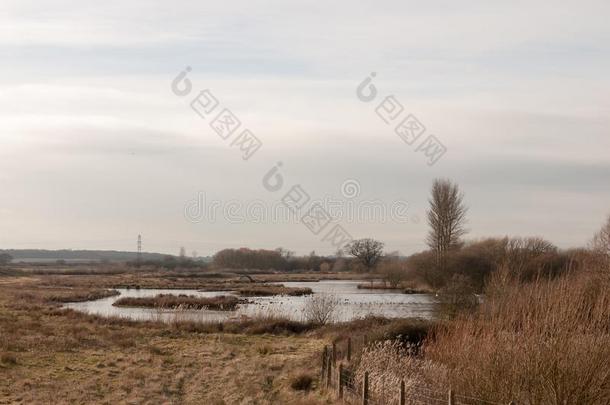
(95, 148)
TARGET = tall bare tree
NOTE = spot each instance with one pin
(446, 217)
(368, 251)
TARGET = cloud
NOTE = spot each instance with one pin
(91, 133)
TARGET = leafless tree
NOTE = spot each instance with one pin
(320, 308)
(600, 245)
(446, 217)
(394, 271)
(367, 251)
(285, 253)
(601, 240)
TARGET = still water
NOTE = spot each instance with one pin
(353, 303)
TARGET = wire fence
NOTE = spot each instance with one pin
(338, 376)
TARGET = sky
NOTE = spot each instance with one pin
(96, 147)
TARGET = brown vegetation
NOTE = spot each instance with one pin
(477, 260)
(302, 382)
(547, 341)
(169, 301)
(48, 352)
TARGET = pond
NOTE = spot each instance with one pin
(353, 303)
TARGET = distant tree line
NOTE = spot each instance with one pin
(263, 259)
(67, 254)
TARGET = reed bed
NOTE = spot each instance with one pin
(544, 342)
(169, 301)
(540, 342)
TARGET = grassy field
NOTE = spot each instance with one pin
(51, 354)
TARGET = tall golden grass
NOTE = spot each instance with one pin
(389, 362)
(543, 342)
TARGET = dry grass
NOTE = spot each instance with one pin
(389, 362)
(169, 301)
(542, 342)
(81, 295)
(47, 352)
(545, 342)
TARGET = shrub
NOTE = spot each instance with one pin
(320, 309)
(543, 342)
(394, 271)
(302, 382)
(409, 332)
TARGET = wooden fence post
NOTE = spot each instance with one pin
(324, 355)
(402, 397)
(340, 379)
(365, 389)
(349, 349)
(334, 353)
(329, 367)
(451, 397)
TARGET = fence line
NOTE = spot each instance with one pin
(337, 376)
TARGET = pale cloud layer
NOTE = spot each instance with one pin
(96, 148)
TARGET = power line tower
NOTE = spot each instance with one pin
(139, 257)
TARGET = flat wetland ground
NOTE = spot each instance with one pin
(58, 355)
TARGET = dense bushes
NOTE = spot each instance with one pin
(278, 259)
(545, 341)
(528, 258)
(541, 341)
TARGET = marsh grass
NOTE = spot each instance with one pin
(544, 342)
(187, 302)
(541, 342)
(52, 352)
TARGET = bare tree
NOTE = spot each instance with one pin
(446, 217)
(601, 246)
(367, 251)
(285, 253)
(320, 309)
(393, 271)
(601, 240)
